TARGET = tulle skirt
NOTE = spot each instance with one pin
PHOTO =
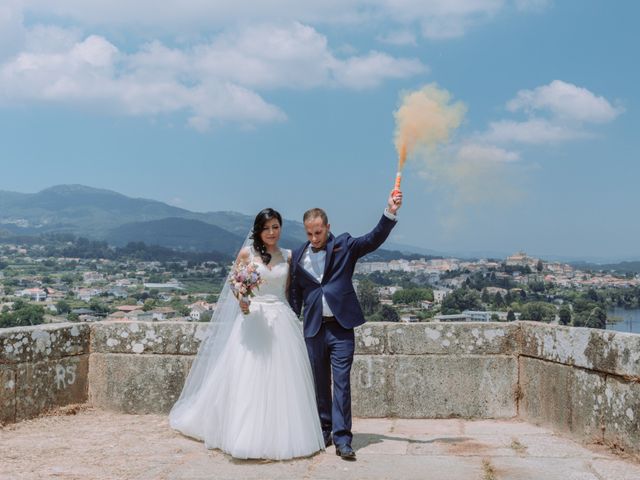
(259, 400)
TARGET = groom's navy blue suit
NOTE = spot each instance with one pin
(331, 344)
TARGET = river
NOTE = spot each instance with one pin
(630, 320)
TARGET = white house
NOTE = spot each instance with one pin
(36, 294)
(438, 295)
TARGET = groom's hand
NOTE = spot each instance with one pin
(394, 202)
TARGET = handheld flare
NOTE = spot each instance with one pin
(396, 187)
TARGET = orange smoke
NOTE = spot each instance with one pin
(402, 156)
(424, 119)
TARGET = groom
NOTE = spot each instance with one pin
(321, 272)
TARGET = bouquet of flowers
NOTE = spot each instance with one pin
(244, 279)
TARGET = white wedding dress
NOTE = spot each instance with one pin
(258, 400)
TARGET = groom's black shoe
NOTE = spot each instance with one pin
(345, 452)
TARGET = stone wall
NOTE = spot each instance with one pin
(42, 368)
(582, 382)
(399, 370)
(579, 381)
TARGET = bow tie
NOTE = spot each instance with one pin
(321, 249)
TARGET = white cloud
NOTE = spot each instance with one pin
(94, 73)
(218, 80)
(533, 5)
(565, 101)
(556, 112)
(372, 69)
(474, 152)
(11, 28)
(532, 131)
(399, 38)
(436, 18)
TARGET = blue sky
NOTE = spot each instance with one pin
(290, 104)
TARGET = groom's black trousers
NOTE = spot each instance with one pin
(331, 353)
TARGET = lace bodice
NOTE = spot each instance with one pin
(274, 276)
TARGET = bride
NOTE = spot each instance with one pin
(250, 390)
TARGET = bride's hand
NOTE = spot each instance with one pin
(244, 305)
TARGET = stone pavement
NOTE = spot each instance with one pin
(85, 443)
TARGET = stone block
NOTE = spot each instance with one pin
(371, 338)
(370, 392)
(621, 418)
(468, 386)
(7, 395)
(569, 399)
(436, 386)
(490, 338)
(42, 386)
(137, 383)
(601, 350)
(43, 342)
(172, 338)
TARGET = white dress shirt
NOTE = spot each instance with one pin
(313, 263)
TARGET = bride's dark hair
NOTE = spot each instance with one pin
(258, 225)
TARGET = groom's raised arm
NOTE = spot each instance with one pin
(371, 241)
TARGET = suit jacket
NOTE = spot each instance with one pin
(343, 252)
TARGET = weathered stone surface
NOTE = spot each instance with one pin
(469, 386)
(107, 445)
(7, 395)
(600, 350)
(41, 386)
(371, 395)
(453, 338)
(371, 338)
(621, 419)
(137, 383)
(173, 338)
(410, 386)
(568, 398)
(43, 342)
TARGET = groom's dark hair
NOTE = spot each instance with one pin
(315, 213)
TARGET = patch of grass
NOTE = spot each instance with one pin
(489, 472)
(518, 447)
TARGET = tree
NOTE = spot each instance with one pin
(592, 295)
(508, 299)
(597, 319)
(539, 266)
(368, 297)
(63, 307)
(148, 305)
(497, 300)
(486, 299)
(565, 315)
(461, 299)
(511, 317)
(23, 315)
(389, 314)
(538, 312)
(536, 286)
(98, 307)
(413, 296)
(67, 278)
